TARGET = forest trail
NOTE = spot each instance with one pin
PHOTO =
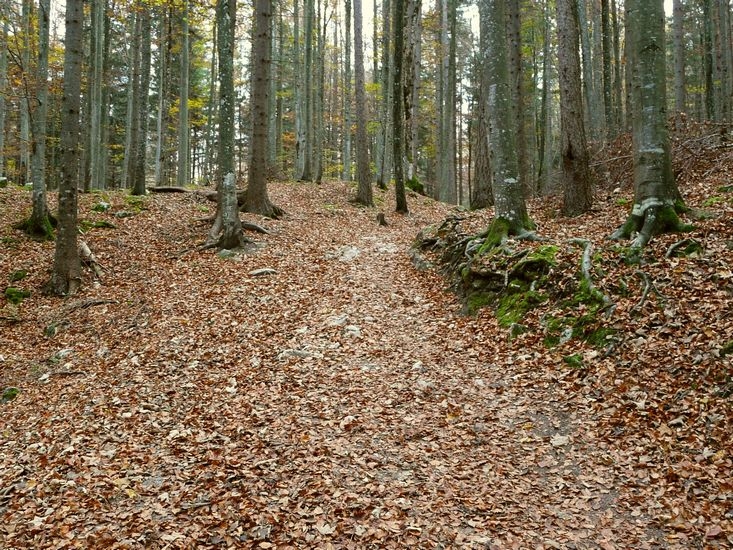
(341, 401)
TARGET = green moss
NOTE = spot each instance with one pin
(726, 189)
(9, 394)
(575, 361)
(18, 275)
(42, 230)
(138, 203)
(10, 242)
(86, 225)
(16, 295)
(477, 300)
(513, 306)
(712, 201)
(727, 349)
(623, 202)
(415, 185)
(599, 337)
(497, 234)
(101, 206)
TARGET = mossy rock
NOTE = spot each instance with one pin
(514, 306)
(86, 225)
(16, 295)
(415, 185)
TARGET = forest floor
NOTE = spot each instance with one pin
(343, 400)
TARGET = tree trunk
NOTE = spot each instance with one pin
(412, 81)
(384, 162)
(481, 196)
(511, 211)
(398, 126)
(133, 95)
(3, 84)
(346, 152)
(578, 195)
(655, 193)
(364, 192)
(97, 178)
(138, 171)
(182, 174)
(256, 199)
(518, 103)
(66, 275)
(24, 164)
(39, 223)
(161, 122)
(592, 109)
(307, 174)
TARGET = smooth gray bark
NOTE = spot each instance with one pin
(364, 193)
(3, 84)
(511, 210)
(346, 151)
(398, 126)
(139, 165)
(183, 172)
(256, 197)
(39, 221)
(655, 193)
(577, 195)
(66, 275)
(97, 179)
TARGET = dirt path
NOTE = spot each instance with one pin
(339, 402)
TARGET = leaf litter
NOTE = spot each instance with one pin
(320, 391)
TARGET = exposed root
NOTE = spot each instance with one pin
(586, 265)
(648, 287)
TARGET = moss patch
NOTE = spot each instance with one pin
(16, 295)
(18, 275)
(86, 225)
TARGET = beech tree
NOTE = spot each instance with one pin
(398, 126)
(578, 194)
(66, 275)
(511, 211)
(226, 231)
(364, 192)
(256, 198)
(656, 197)
(39, 223)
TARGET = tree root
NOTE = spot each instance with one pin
(647, 220)
(89, 259)
(648, 287)
(586, 265)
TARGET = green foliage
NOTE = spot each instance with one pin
(575, 361)
(726, 349)
(16, 295)
(415, 185)
(712, 201)
(101, 206)
(18, 275)
(86, 225)
(9, 394)
(513, 306)
(137, 203)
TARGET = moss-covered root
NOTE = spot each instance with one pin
(37, 229)
(649, 218)
(503, 228)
